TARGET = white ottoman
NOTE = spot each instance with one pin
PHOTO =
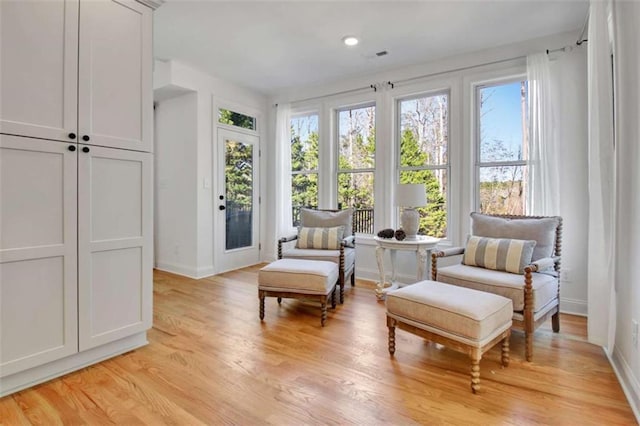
(299, 279)
(466, 320)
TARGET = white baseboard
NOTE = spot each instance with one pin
(33, 376)
(573, 306)
(567, 306)
(630, 384)
(185, 271)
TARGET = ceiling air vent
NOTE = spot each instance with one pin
(382, 53)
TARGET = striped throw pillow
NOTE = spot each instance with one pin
(499, 254)
(320, 238)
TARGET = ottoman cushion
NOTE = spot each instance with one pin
(470, 315)
(299, 276)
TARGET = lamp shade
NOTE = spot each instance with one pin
(411, 195)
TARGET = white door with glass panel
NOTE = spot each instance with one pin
(236, 203)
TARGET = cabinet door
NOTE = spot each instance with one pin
(39, 68)
(115, 96)
(114, 243)
(38, 263)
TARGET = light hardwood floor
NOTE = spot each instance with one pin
(211, 361)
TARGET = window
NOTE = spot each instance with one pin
(233, 118)
(304, 164)
(424, 155)
(502, 148)
(356, 163)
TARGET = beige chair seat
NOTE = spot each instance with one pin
(460, 318)
(545, 287)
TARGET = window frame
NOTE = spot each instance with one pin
(478, 164)
(336, 155)
(398, 137)
(307, 113)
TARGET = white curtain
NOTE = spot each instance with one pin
(283, 217)
(601, 311)
(543, 179)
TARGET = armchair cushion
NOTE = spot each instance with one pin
(542, 230)
(320, 238)
(545, 287)
(311, 218)
(499, 254)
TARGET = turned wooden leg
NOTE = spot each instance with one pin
(555, 322)
(475, 375)
(333, 298)
(261, 306)
(391, 324)
(341, 292)
(323, 316)
(505, 352)
(353, 278)
(528, 345)
(279, 300)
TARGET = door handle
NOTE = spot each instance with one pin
(221, 207)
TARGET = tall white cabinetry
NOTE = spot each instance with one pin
(75, 185)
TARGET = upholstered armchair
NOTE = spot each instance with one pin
(513, 256)
(316, 240)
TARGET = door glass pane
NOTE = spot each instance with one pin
(238, 194)
(503, 189)
(233, 118)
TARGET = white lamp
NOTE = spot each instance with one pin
(409, 196)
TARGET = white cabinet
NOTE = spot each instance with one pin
(75, 248)
(38, 253)
(77, 71)
(75, 211)
(115, 242)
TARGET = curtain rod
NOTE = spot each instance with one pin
(581, 38)
(434, 74)
(343, 92)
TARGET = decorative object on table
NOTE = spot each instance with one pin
(409, 196)
(386, 233)
(400, 234)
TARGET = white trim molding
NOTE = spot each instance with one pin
(628, 382)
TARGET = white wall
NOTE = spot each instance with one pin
(626, 352)
(176, 142)
(171, 78)
(570, 76)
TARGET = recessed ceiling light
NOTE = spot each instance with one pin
(350, 40)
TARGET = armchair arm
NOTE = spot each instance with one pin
(544, 264)
(285, 240)
(349, 241)
(454, 251)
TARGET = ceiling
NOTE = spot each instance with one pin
(272, 45)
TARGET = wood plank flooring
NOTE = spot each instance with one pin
(211, 361)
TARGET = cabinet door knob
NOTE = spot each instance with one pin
(86, 138)
(221, 207)
(72, 148)
(85, 149)
(72, 135)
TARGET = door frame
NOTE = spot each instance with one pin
(226, 260)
